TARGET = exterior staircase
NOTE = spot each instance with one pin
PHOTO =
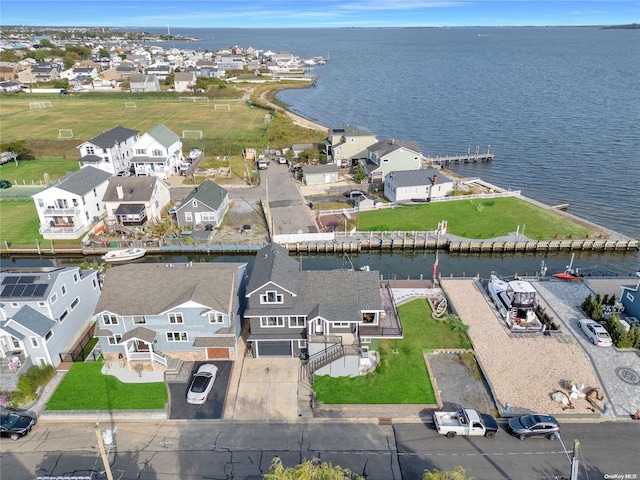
(321, 359)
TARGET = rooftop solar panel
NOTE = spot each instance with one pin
(10, 280)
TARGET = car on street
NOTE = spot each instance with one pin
(282, 160)
(16, 424)
(5, 184)
(262, 165)
(534, 425)
(201, 384)
(595, 332)
(123, 173)
(354, 193)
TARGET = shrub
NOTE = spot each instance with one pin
(28, 383)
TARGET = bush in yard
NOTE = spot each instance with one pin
(28, 383)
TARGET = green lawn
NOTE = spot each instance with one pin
(401, 378)
(85, 388)
(41, 170)
(19, 224)
(475, 218)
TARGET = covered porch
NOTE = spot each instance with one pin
(138, 347)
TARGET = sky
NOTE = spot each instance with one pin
(317, 13)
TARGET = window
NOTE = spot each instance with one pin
(177, 337)
(63, 315)
(75, 202)
(340, 324)
(48, 335)
(115, 339)
(216, 317)
(109, 319)
(297, 321)
(15, 304)
(156, 153)
(139, 320)
(302, 344)
(141, 151)
(176, 318)
(75, 303)
(271, 297)
(42, 304)
(34, 342)
(194, 203)
(90, 150)
(41, 361)
(54, 298)
(208, 217)
(95, 283)
(75, 277)
(272, 321)
(188, 217)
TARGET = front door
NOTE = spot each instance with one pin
(319, 327)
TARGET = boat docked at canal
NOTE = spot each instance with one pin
(516, 301)
(125, 255)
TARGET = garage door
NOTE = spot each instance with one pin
(220, 353)
(274, 349)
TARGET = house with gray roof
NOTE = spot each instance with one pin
(141, 82)
(110, 151)
(157, 153)
(134, 201)
(68, 208)
(184, 81)
(346, 145)
(44, 313)
(318, 174)
(155, 312)
(325, 316)
(390, 155)
(630, 299)
(417, 185)
(205, 205)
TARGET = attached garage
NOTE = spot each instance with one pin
(218, 353)
(270, 348)
(217, 348)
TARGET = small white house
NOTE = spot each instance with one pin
(423, 184)
(317, 174)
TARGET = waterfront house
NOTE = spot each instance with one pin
(44, 313)
(152, 312)
(205, 205)
(346, 145)
(320, 174)
(326, 316)
(141, 83)
(111, 151)
(630, 298)
(424, 184)
(134, 201)
(68, 208)
(157, 153)
(184, 81)
(389, 155)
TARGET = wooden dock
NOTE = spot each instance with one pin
(470, 157)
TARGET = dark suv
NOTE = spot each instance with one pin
(534, 425)
(16, 424)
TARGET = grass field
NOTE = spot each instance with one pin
(34, 171)
(86, 388)
(401, 378)
(476, 218)
(19, 224)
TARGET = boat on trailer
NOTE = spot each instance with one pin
(124, 255)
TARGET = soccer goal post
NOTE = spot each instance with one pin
(221, 106)
(65, 133)
(130, 105)
(192, 134)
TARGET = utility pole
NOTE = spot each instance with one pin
(574, 460)
(103, 453)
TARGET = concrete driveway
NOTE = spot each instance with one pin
(268, 390)
(213, 407)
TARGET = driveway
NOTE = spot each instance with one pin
(213, 407)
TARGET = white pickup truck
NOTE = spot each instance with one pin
(465, 422)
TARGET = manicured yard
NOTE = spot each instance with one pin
(19, 224)
(34, 171)
(84, 387)
(401, 378)
(475, 218)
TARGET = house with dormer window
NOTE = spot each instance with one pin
(327, 316)
(44, 312)
(157, 153)
(155, 312)
(68, 208)
(111, 151)
(390, 155)
(346, 145)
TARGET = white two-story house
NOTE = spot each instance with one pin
(111, 151)
(69, 208)
(158, 153)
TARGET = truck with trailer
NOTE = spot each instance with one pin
(465, 421)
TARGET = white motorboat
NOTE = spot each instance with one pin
(123, 255)
(515, 300)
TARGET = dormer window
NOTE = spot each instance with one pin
(271, 297)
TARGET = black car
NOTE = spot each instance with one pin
(354, 193)
(534, 425)
(16, 424)
(5, 183)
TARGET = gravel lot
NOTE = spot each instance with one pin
(522, 369)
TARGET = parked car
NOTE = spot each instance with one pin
(534, 425)
(595, 332)
(123, 173)
(201, 384)
(262, 165)
(5, 184)
(282, 160)
(16, 424)
(354, 193)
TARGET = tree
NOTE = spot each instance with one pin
(104, 53)
(312, 469)
(458, 473)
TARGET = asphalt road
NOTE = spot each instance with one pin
(206, 449)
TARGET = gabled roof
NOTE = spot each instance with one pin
(110, 138)
(184, 77)
(386, 146)
(134, 189)
(154, 288)
(273, 264)
(32, 320)
(82, 181)
(208, 193)
(415, 178)
(351, 131)
(163, 135)
(326, 168)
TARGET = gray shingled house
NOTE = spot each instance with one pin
(327, 316)
(205, 205)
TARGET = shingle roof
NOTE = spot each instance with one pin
(110, 138)
(33, 320)
(350, 130)
(134, 189)
(273, 264)
(208, 193)
(163, 135)
(326, 168)
(413, 178)
(83, 180)
(386, 146)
